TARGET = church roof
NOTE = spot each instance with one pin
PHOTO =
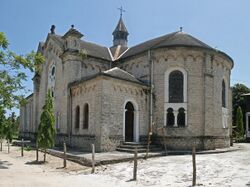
(175, 39)
(95, 50)
(117, 50)
(169, 40)
(92, 49)
(121, 74)
(115, 73)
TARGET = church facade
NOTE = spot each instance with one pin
(174, 87)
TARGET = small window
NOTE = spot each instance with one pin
(181, 117)
(86, 116)
(170, 117)
(176, 87)
(223, 94)
(77, 117)
(53, 71)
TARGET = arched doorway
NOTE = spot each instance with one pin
(129, 122)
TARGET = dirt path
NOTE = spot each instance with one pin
(17, 171)
(218, 170)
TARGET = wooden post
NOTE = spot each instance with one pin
(22, 148)
(164, 140)
(1, 146)
(44, 156)
(93, 158)
(149, 141)
(36, 152)
(194, 166)
(64, 155)
(8, 146)
(135, 165)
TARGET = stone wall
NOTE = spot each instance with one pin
(205, 72)
(186, 143)
(69, 68)
(115, 95)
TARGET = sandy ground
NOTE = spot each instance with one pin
(224, 169)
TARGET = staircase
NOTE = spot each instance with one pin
(141, 147)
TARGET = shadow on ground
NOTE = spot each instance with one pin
(4, 164)
(35, 162)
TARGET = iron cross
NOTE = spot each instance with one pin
(121, 11)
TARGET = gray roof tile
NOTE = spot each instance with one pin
(172, 39)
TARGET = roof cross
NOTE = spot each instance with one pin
(121, 10)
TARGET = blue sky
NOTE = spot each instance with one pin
(223, 24)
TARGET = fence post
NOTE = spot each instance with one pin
(22, 148)
(8, 146)
(194, 166)
(164, 140)
(36, 152)
(135, 165)
(93, 158)
(64, 155)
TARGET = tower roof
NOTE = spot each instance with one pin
(120, 27)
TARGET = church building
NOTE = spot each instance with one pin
(175, 87)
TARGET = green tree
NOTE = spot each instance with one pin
(238, 100)
(12, 74)
(46, 128)
(239, 124)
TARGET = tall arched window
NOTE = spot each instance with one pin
(176, 87)
(86, 116)
(77, 117)
(223, 94)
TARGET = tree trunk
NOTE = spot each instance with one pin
(44, 156)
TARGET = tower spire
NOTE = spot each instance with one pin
(120, 34)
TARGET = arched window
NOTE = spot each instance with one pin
(170, 117)
(77, 117)
(176, 87)
(223, 94)
(181, 117)
(86, 116)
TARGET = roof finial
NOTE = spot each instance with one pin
(52, 29)
(181, 29)
(121, 11)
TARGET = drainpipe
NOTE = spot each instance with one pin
(70, 115)
(151, 66)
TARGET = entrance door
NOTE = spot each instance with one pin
(129, 122)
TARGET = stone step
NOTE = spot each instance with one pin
(138, 146)
(130, 150)
(141, 147)
(134, 143)
(141, 150)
